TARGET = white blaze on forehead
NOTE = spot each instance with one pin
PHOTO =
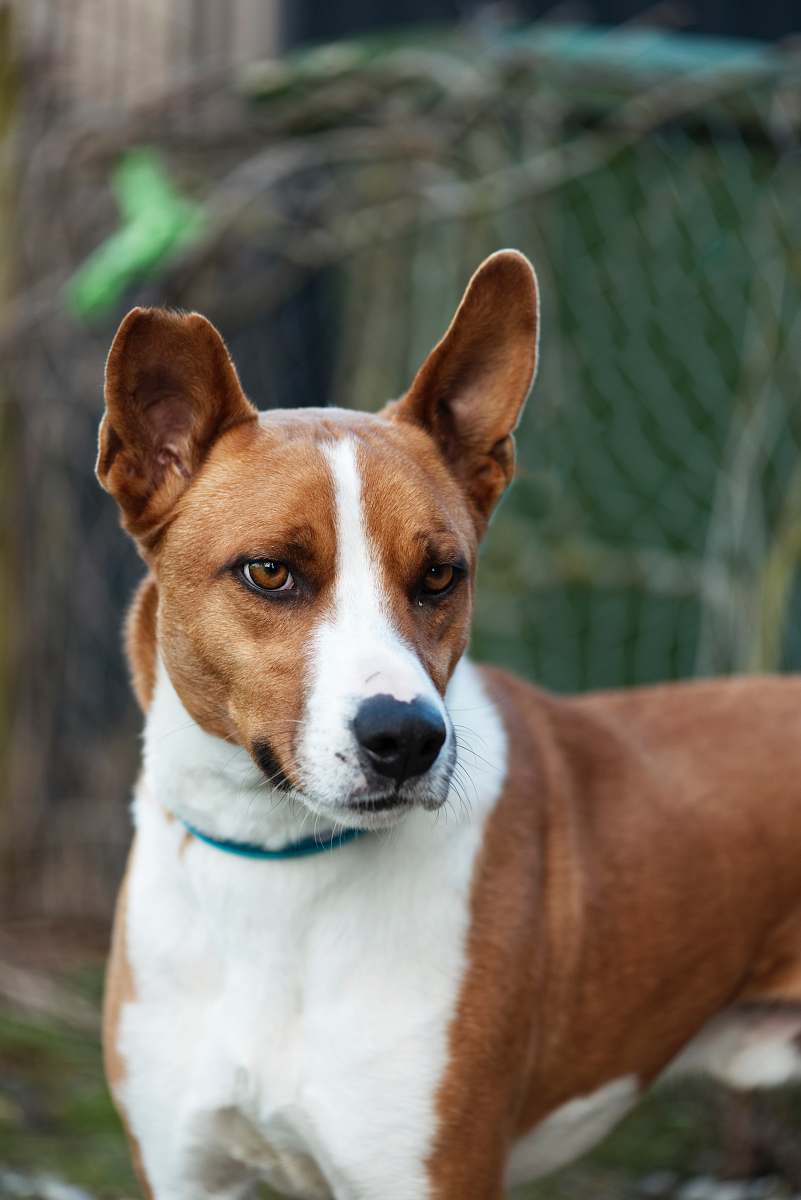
(357, 651)
(376, 659)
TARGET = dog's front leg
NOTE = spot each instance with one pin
(390, 1179)
(210, 1177)
(402, 1187)
(460, 1181)
(470, 1156)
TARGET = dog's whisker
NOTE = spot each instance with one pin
(479, 757)
(462, 776)
(463, 800)
(468, 730)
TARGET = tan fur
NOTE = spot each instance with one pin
(120, 990)
(641, 873)
(236, 659)
(141, 640)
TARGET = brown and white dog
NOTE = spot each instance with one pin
(555, 902)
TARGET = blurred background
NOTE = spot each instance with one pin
(321, 181)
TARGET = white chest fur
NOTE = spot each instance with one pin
(291, 1018)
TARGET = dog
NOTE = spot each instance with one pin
(396, 927)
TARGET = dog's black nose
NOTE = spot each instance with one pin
(399, 739)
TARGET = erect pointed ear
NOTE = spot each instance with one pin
(171, 391)
(470, 391)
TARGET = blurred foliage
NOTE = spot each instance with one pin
(55, 1113)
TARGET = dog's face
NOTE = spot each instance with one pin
(315, 567)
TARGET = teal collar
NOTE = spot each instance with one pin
(300, 849)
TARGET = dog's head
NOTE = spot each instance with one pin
(315, 567)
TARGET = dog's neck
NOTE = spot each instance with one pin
(211, 783)
(215, 786)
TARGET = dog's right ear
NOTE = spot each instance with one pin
(171, 391)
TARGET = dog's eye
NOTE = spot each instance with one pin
(439, 579)
(265, 575)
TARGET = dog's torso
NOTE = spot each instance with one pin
(393, 1017)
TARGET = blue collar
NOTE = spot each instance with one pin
(301, 849)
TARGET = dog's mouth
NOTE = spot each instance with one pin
(366, 802)
(376, 812)
(376, 804)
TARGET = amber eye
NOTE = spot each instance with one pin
(268, 576)
(438, 579)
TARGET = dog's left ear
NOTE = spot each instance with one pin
(471, 389)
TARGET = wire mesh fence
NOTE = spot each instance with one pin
(334, 207)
